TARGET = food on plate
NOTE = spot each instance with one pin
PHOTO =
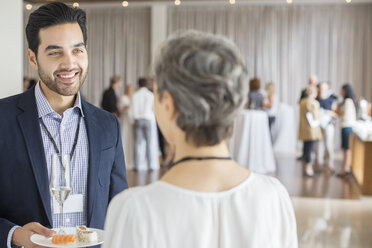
(85, 235)
(63, 239)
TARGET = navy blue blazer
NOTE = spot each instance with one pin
(24, 183)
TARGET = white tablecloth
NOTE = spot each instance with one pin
(250, 144)
(127, 133)
(284, 130)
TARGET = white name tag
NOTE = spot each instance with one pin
(73, 204)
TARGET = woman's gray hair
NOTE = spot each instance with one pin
(208, 81)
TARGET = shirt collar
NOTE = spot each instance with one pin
(43, 106)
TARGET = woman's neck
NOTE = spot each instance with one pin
(185, 149)
(205, 175)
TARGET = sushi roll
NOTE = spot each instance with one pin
(85, 235)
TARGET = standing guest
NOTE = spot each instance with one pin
(52, 118)
(313, 81)
(271, 103)
(325, 148)
(143, 114)
(255, 97)
(126, 99)
(109, 99)
(309, 130)
(347, 113)
(126, 122)
(206, 199)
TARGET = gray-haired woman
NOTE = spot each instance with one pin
(206, 199)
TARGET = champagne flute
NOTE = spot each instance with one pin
(60, 182)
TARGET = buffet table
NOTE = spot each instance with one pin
(362, 162)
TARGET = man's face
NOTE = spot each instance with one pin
(62, 59)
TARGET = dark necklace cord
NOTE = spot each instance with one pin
(199, 158)
(55, 144)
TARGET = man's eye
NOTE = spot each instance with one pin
(54, 53)
(78, 51)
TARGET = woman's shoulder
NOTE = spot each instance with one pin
(349, 102)
(132, 201)
(267, 183)
(260, 186)
(136, 193)
(271, 192)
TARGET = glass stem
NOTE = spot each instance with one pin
(62, 224)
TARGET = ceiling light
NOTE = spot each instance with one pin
(28, 6)
(232, 1)
(289, 1)
(348, 1)
(75, 5)
(125, 4)
(177, 2)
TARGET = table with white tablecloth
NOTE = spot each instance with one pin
(284, 130)
(250, 144)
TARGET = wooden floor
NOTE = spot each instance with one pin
(289, 172)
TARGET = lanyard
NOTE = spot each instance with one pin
(53, 141)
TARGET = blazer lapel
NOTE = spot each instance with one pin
(94, 132)
(28, 121)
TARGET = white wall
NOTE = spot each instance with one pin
(11, 44)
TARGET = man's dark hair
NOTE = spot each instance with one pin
(52, 14)
(142, 82)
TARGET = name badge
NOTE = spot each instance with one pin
(73, 204)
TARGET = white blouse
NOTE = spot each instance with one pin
(256, 213)
(348, 113)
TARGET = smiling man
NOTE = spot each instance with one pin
(53, 118)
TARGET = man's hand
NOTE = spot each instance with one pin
(22, 235)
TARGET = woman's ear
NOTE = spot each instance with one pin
(169, 105)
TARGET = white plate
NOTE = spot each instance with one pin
(47, 242)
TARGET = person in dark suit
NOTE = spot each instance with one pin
(53, 118)
(109, 99)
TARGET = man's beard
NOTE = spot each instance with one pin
(58, 87)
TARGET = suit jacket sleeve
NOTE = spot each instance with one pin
(5, 227)
(118, 179)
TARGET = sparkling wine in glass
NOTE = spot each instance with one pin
(60, 181)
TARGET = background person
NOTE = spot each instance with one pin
(255, 97)
(347, 113)
(325, 147)
(309, 129)
(109, 99)
(143, 113)
(271, 104)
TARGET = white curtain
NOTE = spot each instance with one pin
(118, 43)
(286, 44)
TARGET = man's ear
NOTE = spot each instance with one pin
(32, 59)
